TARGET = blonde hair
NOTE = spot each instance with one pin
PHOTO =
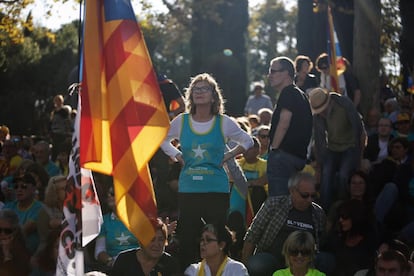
(51, 198)
(217, 106)
(299, 240)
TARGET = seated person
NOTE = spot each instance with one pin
(215, 244)
(277, 218)
(114, 236)
(147, 260)
(299, 252)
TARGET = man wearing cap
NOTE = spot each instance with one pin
(339, 136)
(291, 127)
(258, 100)
(402, 125)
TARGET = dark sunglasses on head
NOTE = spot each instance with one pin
(21, 186)
(6, 231)
(306, 195)
(303, 252)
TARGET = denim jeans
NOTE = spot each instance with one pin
(385, 200)
(263, 264)
(341, 163)
(280, 167)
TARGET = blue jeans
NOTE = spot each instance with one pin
(280, 167)
(263, 264)
(385, 200)
(341, 163)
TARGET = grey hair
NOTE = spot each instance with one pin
(296, 178)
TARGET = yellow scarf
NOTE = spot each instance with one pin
(220, 270)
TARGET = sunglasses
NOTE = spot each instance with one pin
(207, 240)
(295, 252)
(263, 136)
(272, 71)
(6, 231)
(323, 68)
(306, 195)
(22, 186)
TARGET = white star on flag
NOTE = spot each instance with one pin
(123, 239)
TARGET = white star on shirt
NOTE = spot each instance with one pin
(199, 152)
(123, 239)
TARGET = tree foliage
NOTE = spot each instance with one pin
(34, 71)
(272, 32)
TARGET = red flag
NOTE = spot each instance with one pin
(336, 63)
(123, 119)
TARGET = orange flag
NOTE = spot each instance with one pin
(123, 119)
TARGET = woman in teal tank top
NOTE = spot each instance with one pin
(203, 185)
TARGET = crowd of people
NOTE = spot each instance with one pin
(301, 184)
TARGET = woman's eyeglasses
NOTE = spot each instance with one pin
(6, 231)
(201, 89)
(296, 252)
(207, 240)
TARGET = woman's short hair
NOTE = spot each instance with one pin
(52, 188)
(222, 233)
(217, 106)
(302, 241)
(301, 59)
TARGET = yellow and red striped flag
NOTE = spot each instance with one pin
(123, 119)
(336, 62)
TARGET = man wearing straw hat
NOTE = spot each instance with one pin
(339, 136)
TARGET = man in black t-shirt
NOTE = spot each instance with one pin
(291, 127)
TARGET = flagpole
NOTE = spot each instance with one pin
(333, 66)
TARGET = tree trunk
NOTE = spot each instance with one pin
(366, 61)
(218, 47)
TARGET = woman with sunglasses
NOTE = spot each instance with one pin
(203, 185)
(354, 239)
(14, 256)
(215, 243)
(299, 252)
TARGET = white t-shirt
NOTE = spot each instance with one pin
(232, 268)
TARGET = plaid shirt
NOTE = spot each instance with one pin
(272, 216)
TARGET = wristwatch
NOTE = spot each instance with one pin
(273, 149)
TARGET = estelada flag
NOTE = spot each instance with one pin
(336, 63)
(123, 119)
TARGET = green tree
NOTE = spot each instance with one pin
(272, 33)
(35, 71)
